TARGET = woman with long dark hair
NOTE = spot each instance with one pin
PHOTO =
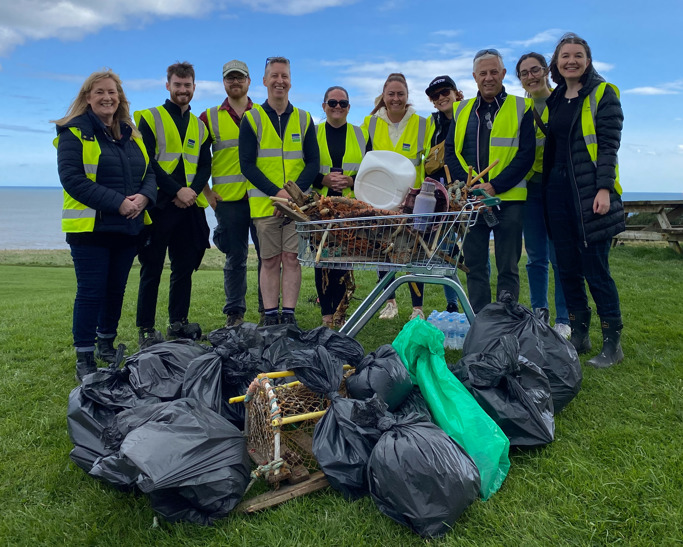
(582, 192)
(532, 71)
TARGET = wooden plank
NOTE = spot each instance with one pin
(283, 494)
(641, 236)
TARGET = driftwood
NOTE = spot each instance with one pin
(293, 190)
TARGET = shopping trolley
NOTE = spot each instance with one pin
(427, 247)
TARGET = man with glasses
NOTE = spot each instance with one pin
(228, 194)
(277, 143)
(493, 126)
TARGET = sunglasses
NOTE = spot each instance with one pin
(442, 93)
(483, 52)
(534, 71)
(277, 60)
(332, 103)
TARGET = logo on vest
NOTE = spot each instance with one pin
(296, 137)
(190, 143)
(406, 147)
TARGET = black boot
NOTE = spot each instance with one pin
(580, 322)
(105, 351)
(85, 364)
(611, 353)
(184, 329)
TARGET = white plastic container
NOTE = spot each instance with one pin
(384, 179)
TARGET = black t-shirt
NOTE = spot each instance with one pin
(560, 123)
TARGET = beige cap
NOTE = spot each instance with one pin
(235, 66)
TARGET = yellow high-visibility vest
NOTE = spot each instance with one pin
(278, 159)
(411, 143)
(504, 139)
(77, 217)
(589, 110)
(169, 149)
(226, 175)
(356, 143)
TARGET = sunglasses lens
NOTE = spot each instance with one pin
(332, 103)
(343, 104)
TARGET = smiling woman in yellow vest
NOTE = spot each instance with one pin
(395, 125)
(582, 192)
(532, 71)
(342, 147)
(104, 169)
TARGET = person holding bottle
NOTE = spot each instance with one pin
(395, 125)
(582, 192)
(342, 147)
(532, 71)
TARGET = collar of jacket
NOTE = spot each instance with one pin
(174, 109)
(89, 124)
(593, 79)
(498, 99)
(270, 110)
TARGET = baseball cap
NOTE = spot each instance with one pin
(440, 82)
(235, 66)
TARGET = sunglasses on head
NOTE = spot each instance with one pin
(277, 60)
(332, 103)
(483, 52)
(441, 93)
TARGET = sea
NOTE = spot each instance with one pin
(30, 216)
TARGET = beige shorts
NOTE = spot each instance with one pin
(275, 237)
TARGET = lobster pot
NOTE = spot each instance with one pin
(280, 420)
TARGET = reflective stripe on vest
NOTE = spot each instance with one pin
(169, 149)
(77, 217)
(504, 140)
(354, 152)
(589, 110)
(411, 143)
(278, 159)
(226, 175)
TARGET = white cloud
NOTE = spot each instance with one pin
(680, 148)
(601, 66)
(446, 33)
(550, 35)
(669, 88)
(25, 20)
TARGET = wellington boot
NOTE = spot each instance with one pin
(85, 364)
(611, 353)
(580, 322)
(105, 351)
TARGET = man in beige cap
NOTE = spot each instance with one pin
(228, 193)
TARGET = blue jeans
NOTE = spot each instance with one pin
(540, 250)
(101, 276)
(578, 263)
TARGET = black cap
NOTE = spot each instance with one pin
(440, 82)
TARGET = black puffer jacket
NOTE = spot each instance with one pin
(584, 176)
(121, 172)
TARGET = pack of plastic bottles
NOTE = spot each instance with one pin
(454, 326)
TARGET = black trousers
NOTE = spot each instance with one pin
(185, 234)
(507, 237)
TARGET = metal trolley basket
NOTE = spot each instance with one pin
(427, 247)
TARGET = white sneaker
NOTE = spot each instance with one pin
(417, 312)
(390, 311)
(564, 330)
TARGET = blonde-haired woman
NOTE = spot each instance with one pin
(104, 169)
(395, 125)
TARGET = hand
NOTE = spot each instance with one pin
(186, 196)
(487, 187)
(601, 202)
(139, 202)
(127, 209)
(340, 181)
(212, 197)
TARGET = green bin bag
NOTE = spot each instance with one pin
(420, 346)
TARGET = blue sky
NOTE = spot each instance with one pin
(47, 48)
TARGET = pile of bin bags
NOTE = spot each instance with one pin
(163, 424)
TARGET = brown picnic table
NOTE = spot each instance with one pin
(667, 212)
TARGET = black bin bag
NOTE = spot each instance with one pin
(511, 389)
(191, 461)
(159, 370)
(342, 446)
(420, 477)
(538, 342)
(381, 372)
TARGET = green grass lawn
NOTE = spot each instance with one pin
(613, 475)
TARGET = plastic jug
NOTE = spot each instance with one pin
(384, 178)
(425, 203)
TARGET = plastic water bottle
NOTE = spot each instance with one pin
(463, 327)
(425, 203)
(451, 335)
